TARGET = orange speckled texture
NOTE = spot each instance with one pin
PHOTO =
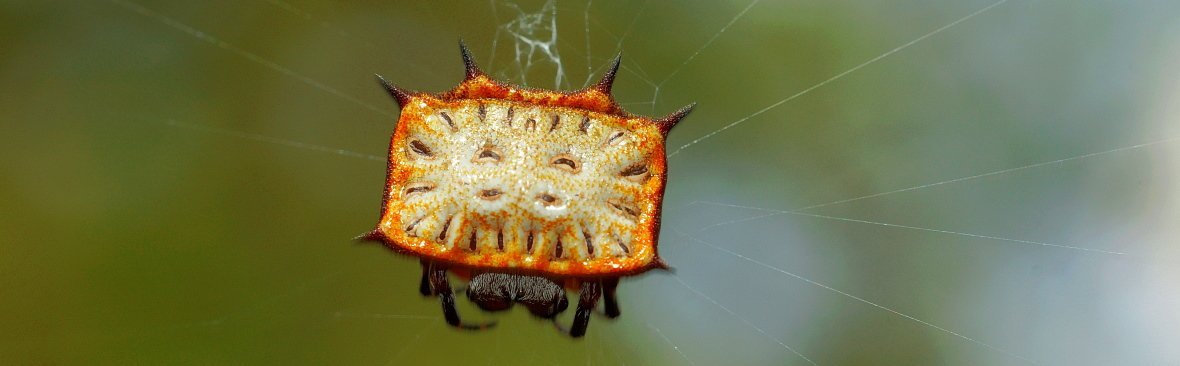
(495, 177)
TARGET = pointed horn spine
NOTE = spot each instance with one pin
(373, 236)
(400, 95)
(471, 69)
(671, 120)
(608, 79)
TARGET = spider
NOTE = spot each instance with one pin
(525, 193)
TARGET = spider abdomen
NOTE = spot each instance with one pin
(500, 184)
(492, 176)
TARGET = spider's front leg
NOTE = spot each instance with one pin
(591, 291)
(442, 287)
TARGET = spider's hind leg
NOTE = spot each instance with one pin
(610, 302)
(424, 286)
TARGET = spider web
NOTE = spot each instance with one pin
(901, 231)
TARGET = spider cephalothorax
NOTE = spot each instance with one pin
(525, 192)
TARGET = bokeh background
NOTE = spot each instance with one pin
(180, 180)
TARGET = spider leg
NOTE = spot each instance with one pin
(588, 299)
(424, 286)
(438, 280)
(610, 302)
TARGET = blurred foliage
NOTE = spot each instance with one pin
(148, 217)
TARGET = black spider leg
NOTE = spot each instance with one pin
(424, 286)
(610, 301)
(442, 287)
(588, 299)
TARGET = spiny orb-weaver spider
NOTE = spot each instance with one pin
(525, 193)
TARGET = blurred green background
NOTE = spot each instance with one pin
(181, 180)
